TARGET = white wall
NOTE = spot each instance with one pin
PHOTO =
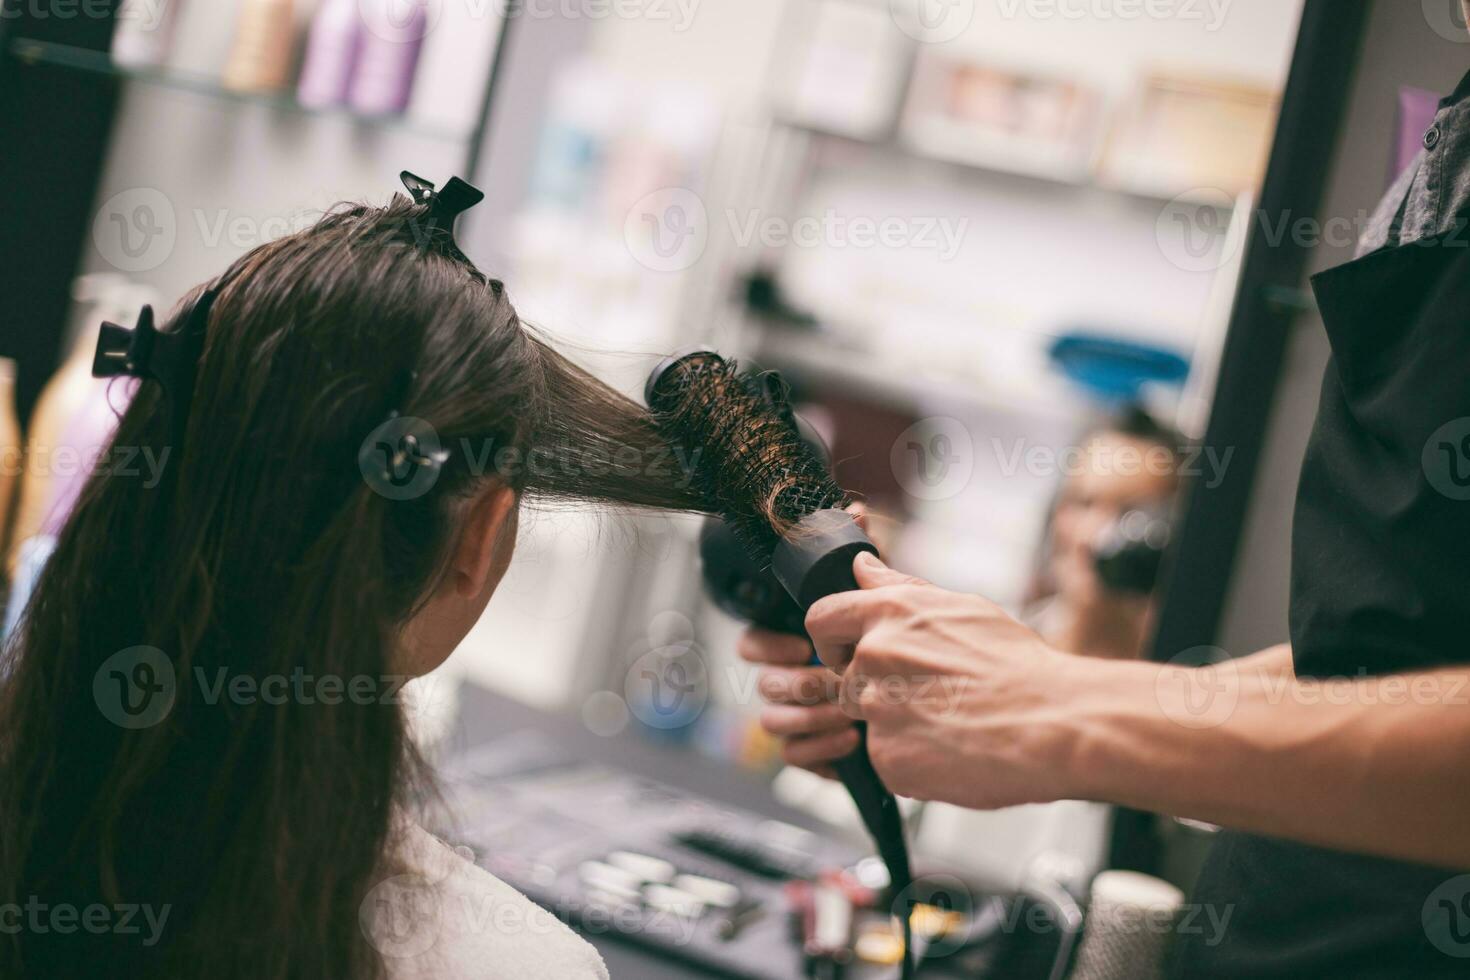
(722, 46)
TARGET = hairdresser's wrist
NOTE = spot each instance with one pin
(1029, 734)
(1171, 739)
(1108, 729)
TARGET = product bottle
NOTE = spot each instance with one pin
(145, 32)
(455, 64)
(204, 34)
(331, 54)
(260, 59)
(83, 440)
(52, 462)
(61, 399)
(10, 446)
(393, 33)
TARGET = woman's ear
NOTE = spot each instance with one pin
(484, 548)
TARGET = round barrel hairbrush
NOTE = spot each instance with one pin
(785, 540)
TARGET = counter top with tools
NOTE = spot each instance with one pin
(621, 835)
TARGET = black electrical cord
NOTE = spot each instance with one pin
(910, 964)
(880, 814)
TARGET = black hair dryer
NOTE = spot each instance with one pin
(1129, 552)
(813, 561)
(742, 588)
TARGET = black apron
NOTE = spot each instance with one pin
(1380, 583)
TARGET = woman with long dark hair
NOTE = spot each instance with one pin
(338, 503)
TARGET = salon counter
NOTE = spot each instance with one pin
(485, 716)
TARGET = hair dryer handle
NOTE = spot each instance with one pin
(878, 809)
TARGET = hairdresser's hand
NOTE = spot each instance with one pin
(801, 701)
(963, 703)
(801, 697)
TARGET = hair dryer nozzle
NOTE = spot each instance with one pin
(661, 370)
(815, 560)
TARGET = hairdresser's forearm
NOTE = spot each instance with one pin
(1270, 662)
(1372, 764)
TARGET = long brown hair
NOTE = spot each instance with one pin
(256, 826)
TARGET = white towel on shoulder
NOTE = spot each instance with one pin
(445, 918)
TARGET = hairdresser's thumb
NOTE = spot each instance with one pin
(871, 573)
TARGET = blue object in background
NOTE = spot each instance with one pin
(1113, 369)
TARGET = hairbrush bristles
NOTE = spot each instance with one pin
(744, 456)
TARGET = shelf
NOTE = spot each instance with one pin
(915, 384)
(1066, 176)
(28, 51)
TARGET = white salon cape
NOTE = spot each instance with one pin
(447, 919)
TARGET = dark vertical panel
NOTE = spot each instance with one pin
(1306, 140)
(54, 129)
(1203, 561)
(530, 53)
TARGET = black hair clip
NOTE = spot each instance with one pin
(171, 359)
(403, 457)
(445, 204)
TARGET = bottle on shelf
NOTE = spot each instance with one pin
(331, 54)
(84, 439)
(260, 58)
(455, 65)
(204, 35)
(393, 34)
(145, 33)
(63, 396)
(71, 409)
(11, 456)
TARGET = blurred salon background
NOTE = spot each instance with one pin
(997, 250)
